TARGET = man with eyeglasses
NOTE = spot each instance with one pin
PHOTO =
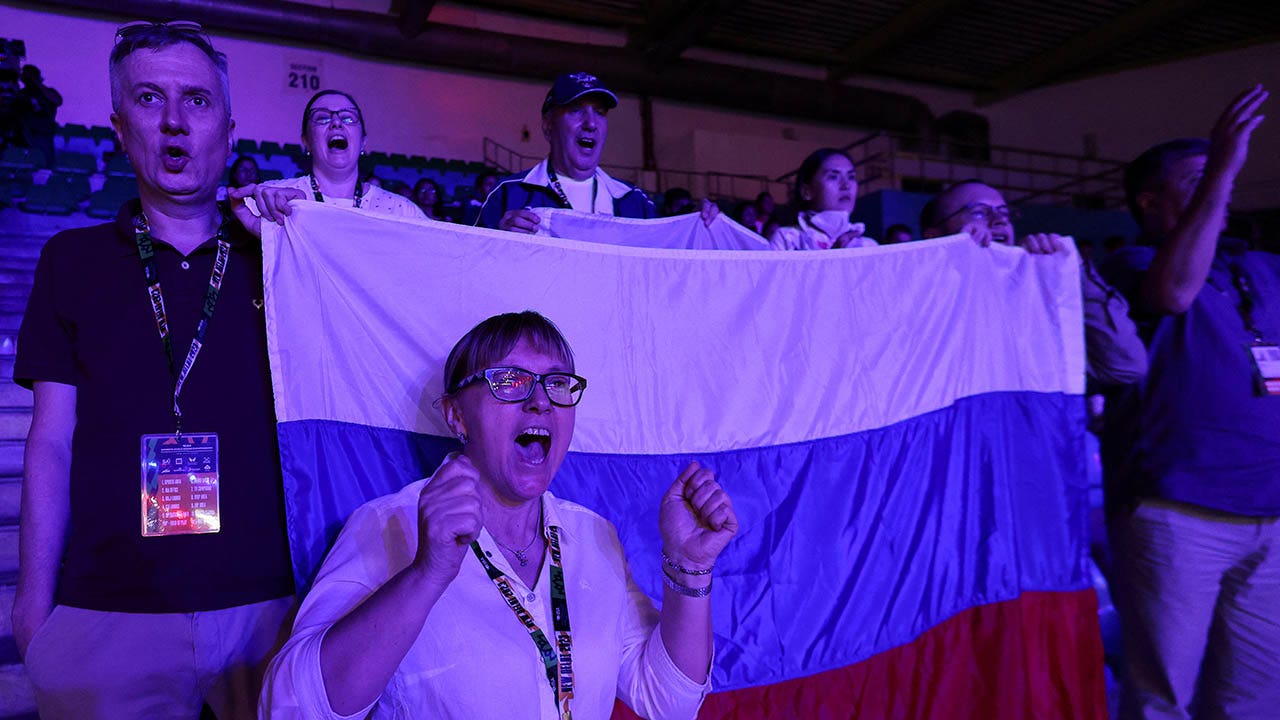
(154, 568)
(575, 122)
(1114, 351)
(1193, 452)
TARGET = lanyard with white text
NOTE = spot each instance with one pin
(559, 671)
(315, 189)
(147, 253)
(564, 198)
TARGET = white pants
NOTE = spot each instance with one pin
(92, 664)
(1200, 608)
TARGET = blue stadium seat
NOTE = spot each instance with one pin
(22, 158)
(75, 162)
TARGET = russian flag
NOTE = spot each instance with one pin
(901, 430)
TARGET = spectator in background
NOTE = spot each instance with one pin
(897, 233)
(244, 171)
(429, 199)
(333, 135)
(1114, 351)
(765, 208)
(677, 201)
(374, 181)
(485, 183)
(1193, 451)
(745, 215)
(120, 612)
(575, 122)
(37, 107)
(826, 189)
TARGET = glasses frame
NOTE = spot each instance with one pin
(1009, 215)
(186, 26)
(333, 115)
(540, 379)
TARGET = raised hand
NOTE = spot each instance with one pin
(696, 518)
(849, 238)
(979, 231)
(449, 519)
(1229, 140)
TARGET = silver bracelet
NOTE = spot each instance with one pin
(685, 589)
(666, 560)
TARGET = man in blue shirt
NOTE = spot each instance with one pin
(1193, 450)
(575, 121)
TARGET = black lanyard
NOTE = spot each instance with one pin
(1248, 298)
(315, 190)
(564, 198)
(558, 661)
(147, 254)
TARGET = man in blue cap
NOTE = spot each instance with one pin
(575, 121)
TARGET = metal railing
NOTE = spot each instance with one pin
(899, 162)
(700, 183)
(886, 161)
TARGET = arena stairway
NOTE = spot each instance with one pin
(21, 237)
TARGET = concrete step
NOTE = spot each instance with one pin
(15, 289)
(9, 550)
(13, 304)
(11, 452)
(10, 500)
(10, 322)
(7, 593)
(19, 276)
(17, 702)
(14, 423)
(13, 395)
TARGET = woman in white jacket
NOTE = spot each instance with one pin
(826, 189)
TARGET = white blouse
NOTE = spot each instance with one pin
(375, 200)
(473, 659)
(818, 231)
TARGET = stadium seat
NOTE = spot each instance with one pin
(245, 146)
(115, 192)
(293, 150)
(270, 147)
(266, 174)
(59, 196)
(103, 135)
(22, 158)
(75, 162)
(119, 166)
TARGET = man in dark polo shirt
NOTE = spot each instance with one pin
(154, 573)
(1193, 451)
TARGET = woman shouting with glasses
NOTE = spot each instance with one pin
(333, 135)
(477, 593)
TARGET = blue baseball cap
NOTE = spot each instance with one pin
(571, 86)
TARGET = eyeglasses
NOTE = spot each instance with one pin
(983, 212)
(513, 384)
(323, 118)
(139, 27)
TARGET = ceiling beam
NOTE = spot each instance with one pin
(667, 36)
(413, 18)
(476, 50)
(1056, 62)
(918, 17)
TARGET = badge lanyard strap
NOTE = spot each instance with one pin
(147, 254)
(559, 671)
(1248, 300)
(315, 190)
(564, 198)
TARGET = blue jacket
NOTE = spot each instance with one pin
(532, 189)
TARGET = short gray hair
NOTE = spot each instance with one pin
(156, 37)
